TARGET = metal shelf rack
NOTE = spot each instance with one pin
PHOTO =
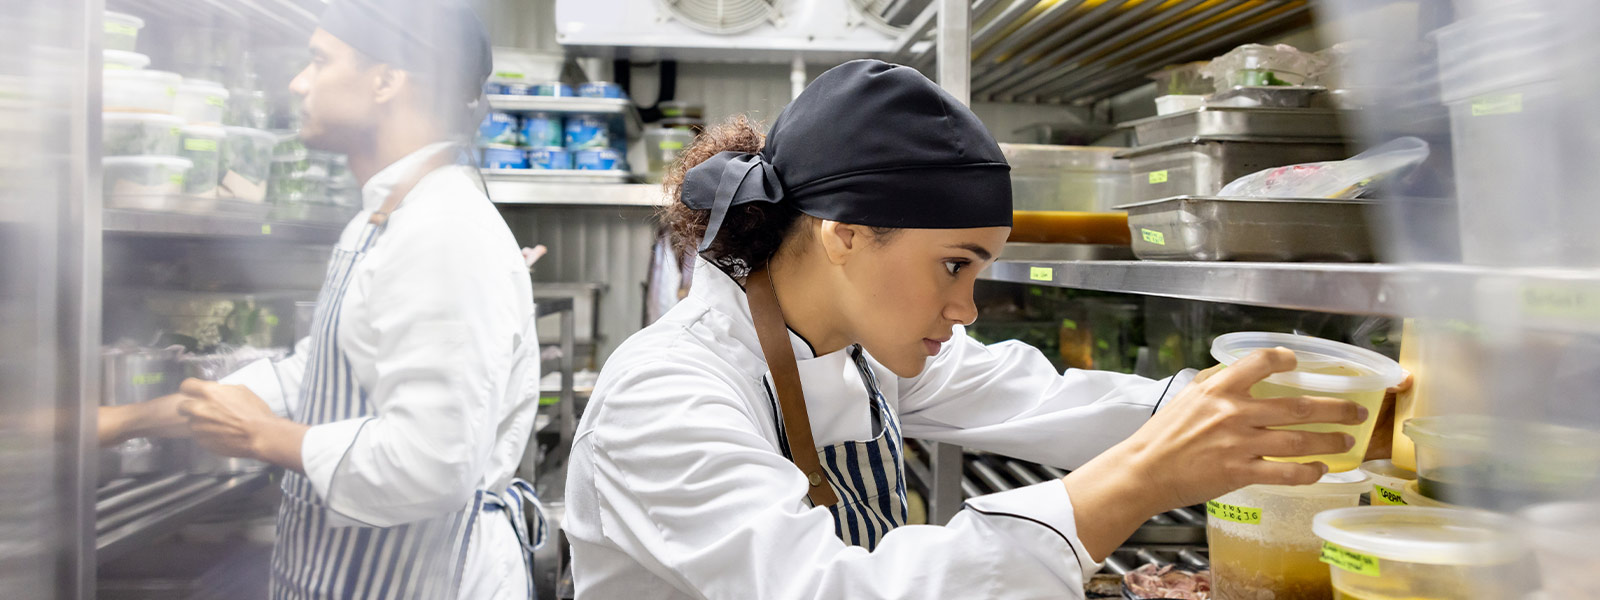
(130, 513)
(621, 107)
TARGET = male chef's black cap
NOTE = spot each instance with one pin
(442, 40)
(867, 143)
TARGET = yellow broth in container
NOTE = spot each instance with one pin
(1328, 369)
(1415, 553)
(1261, 541)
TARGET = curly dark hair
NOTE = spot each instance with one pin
(752, 233)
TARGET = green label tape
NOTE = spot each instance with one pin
(172, 91)
(1498, 104)
(176, 132)
(549, 400)
(671, 145)
(1153, 236)
(1041, 273)
(671, 112)
(1349, 560)
(149, 378)
(121, 29)
(215, 101)
(266, 229)
(1158, 176)
(1385, 496)
(1069, 324)
(200, 145)
(1237, 514)
(1561, 302)
(175, 179)
(508, 74)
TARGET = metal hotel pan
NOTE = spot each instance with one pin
(1251, 229)
(1238, 122)
(1201, 166)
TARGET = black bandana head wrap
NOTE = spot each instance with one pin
(867, 143)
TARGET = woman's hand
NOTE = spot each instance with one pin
(1209, 441)
(230, 420)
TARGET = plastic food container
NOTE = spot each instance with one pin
(542, 130)
(588, 132)
(202, 145)
(1563, 536)
(553, 158)
(603, 159)
(1071, 178)
(246, 163)
(1261, 540)
(499, 156)
(600, 89)
(122, 60)
(144, 175)
(498, 128)
(1500, 464)
(201, 102)
(140, 91)
(1388, 482)
(122, 31)
(1326, 368)
(1404, 552)
(139, 134)
(663, 146)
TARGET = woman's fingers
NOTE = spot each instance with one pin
(1283, 473)
(1305, 410)
(1251, 369)
(1301, 443)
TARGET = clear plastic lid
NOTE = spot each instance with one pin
(1324, 365)
(1434, 536)
(144, 76)
(1476, 433)
(170, 162)
(210, 132)
(124, 60)
(260, 134)
(145, 118)
(123, 19)
(1349, 483)
(1386, 468)
(201, 86)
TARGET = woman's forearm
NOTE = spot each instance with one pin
(153, 418)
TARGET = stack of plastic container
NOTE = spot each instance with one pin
(552, 141)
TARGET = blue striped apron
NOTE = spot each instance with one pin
(424, 559)
(869, 476)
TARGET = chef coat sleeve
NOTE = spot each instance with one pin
(1008, 399)
(445, 319)
(687, 487)
(276, 382)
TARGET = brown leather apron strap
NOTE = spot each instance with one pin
(774, 336)
(402, 189)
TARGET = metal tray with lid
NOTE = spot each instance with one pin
(1239, 122)
(1201, 166)
(1209, 228)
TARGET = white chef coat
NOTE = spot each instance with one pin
(429, 324)
(677, 486)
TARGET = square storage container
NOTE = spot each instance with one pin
(1201, 166)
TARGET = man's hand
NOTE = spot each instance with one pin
(230, 420)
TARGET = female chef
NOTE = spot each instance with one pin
(748, 445)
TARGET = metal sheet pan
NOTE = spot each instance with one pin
(1252, 229)
(1318, 123)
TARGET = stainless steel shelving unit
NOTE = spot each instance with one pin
(1567, 299)
(1076, 51)
(131, 513)
(148, 223)
(568, 105)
